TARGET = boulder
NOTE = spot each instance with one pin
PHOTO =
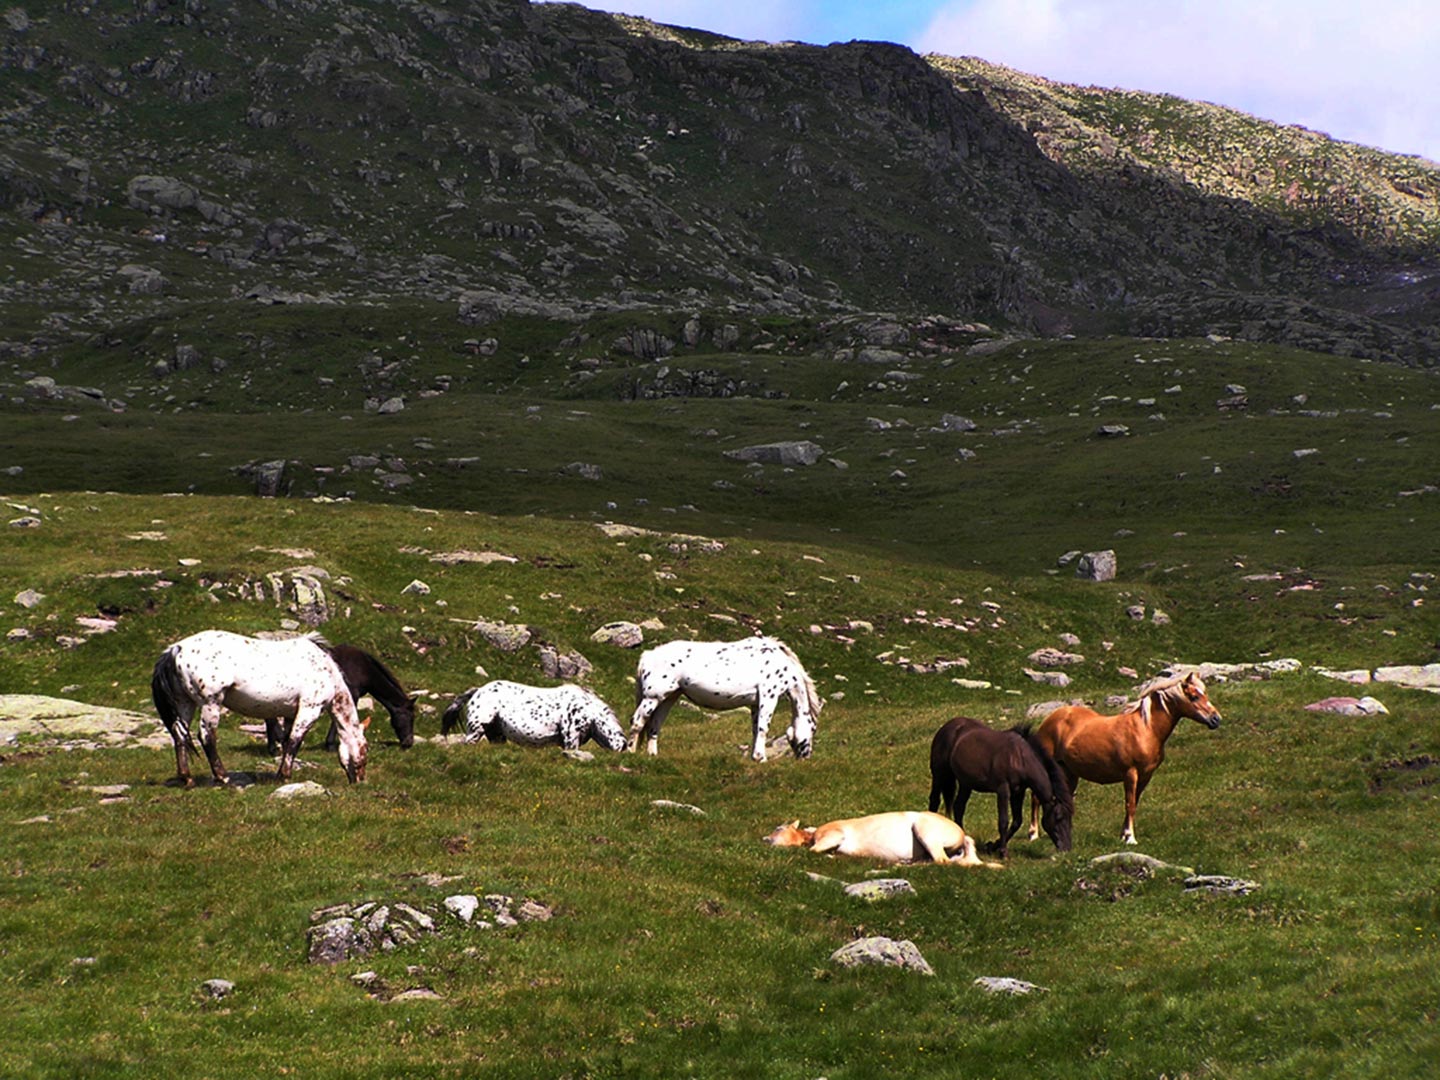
(624, 634)
(1348, 706)
(1422, 677)
(801, 452)
(993, 984)
(304, 789)
(504, 636)
(884, 952)
(568, 666)
(1096, 566)
(879, 889)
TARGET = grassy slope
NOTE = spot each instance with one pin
(683, 946)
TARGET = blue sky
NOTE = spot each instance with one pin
(1365, 72)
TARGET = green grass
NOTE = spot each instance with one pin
(684, 946)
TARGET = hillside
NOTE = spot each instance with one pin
(506, 158)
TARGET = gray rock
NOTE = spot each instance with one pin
(1348, 706)
(216, 989)
(1220, 884)
(416, 588)
(463, 906)
(29, 598)
(951, 422)
(999, 984)
(879, 889)
(566, 665)
(337, 940)
(1052, 657)
(1057, 679)
(419, 993)
(1422, 676)
(686, 808)
(304, 789)
(1111, 431)
(1135, 858)
(270, 480)
(578, 755)
(585, 470)
(624, 634)
(801, 452)
(1096, 566)
(504, 636)
(884, 952)
(391, 406)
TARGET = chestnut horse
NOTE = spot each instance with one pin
(967, 756)
(1126, 748)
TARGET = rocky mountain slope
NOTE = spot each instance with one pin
(512, 158)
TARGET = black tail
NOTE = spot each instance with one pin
(166, 688)
(451, 718)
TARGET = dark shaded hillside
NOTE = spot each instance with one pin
(551, 160)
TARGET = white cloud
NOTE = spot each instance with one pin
(1360, 72)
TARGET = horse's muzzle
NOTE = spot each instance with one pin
(1212, 722)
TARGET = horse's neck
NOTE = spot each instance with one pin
(374, 678)
(1163, 719)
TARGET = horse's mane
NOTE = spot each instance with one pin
(1058, 784)
(451, 717)
(1162, 685)
(812, 696)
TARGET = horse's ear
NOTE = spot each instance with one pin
(364, 724)
(795, 824)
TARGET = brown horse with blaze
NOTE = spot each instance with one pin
(1125, 748)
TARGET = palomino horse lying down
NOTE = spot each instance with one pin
(896, 836)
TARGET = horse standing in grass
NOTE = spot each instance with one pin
(293, 680)
(967, 756)
(755, 672)
(1125, 748)
(502, 711)
(364, 674)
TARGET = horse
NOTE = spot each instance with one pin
(364, 674)
(1128, 747)
(502, 711)
(966, 756)
(896, 836)
(755, 672)
(294, 680)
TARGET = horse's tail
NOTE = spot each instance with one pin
(453, 715)
(166, 687)
(813, 702)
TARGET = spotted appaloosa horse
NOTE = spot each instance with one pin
(1125, 748)
(893, 836)
(755, 672)
(364, 674)
(502, 711)
(293, 680)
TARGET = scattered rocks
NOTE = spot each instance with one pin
(570, 666)
(1057, 679)
(352, 931)
(1051, 657)
(884, 952)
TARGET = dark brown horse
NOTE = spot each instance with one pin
(364, 674)
(967, 756)
(1128, 747)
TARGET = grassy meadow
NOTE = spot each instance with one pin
(682, 945)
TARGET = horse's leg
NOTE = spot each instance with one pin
(209, 724)
(1133, 786)
(1017, 807)
(1002, 823)
(657, 717)
(274, 735)
(351, 735)
(332, 736)
(180, 736)
(644, 707)
(932, 847)
(305, 716)
(760, 714)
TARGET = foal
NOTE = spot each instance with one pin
(967, 756)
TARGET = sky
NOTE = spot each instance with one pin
(1363, 72)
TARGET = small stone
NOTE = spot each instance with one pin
(302, 790)
(416, 588)
(215, 989)
(419, 993)
(993, 984)
(29, 598)
(879, 889)
(462, 906)
(884, 952)
(666, 804)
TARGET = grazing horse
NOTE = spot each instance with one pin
(1126, 748)
(967, 756)
(755, 672)
(502, 711)
(293, 680)
(896, 836)
(364, 674)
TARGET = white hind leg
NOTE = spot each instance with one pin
(655, 716)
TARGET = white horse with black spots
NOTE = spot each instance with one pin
(755, 672)
(502, 711)
(293, 679)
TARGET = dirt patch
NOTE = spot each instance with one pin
(1405, 774)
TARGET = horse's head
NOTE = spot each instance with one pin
(604, 726)
(1193, 702)
(1055, 817)
(402, 719)
(791, 835)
